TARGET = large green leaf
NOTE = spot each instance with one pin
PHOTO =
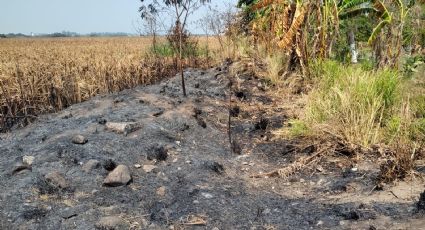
(357, 10)
(347, 4)
(377, 30)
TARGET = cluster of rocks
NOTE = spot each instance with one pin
(119, 175)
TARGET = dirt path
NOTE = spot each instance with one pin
(184, 174)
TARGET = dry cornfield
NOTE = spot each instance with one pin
(39, 75)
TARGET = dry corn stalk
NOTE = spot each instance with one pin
(46, 75)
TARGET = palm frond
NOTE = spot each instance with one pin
(377, 30)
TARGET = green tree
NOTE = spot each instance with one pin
(181, 10)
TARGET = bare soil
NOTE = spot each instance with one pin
(198, 181)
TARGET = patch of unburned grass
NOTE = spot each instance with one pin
(367, 108)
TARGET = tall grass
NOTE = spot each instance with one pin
(275, 65)
(363, 107)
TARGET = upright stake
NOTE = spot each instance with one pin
(181, 61)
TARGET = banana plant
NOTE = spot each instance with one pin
(351, 8)
(399, 12)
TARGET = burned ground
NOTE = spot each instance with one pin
(184, 172)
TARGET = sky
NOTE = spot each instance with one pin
(81, 16)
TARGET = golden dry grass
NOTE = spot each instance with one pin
(39, 75)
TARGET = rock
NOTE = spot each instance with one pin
(122, 127)
(56, 179)
(90, 165)
(118, 177)
(161, 191)
(79, 140)
(137, 166)
(68, 213)
(111, 223)
(28, 160)
(149, 168)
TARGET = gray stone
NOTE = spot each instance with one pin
(68, 213)
(79, 140)
(118, 177)
(57, 180)
(90, 165)
(149, 168)
(111, 223)
(122, 127)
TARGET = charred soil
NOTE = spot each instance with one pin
(183, 172)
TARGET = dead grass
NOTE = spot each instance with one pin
(399, 161)
(46, 75)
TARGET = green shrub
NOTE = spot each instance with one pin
(190, 50)
(162, 49)
(412, 64)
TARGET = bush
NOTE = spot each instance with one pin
(412, 64)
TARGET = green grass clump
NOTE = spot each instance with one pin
(364, 107)
(190, 50)
(162, 49)
(297, 128)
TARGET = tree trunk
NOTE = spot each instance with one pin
(181, 58)
(352, 44)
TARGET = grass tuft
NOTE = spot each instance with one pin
(361, 106)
